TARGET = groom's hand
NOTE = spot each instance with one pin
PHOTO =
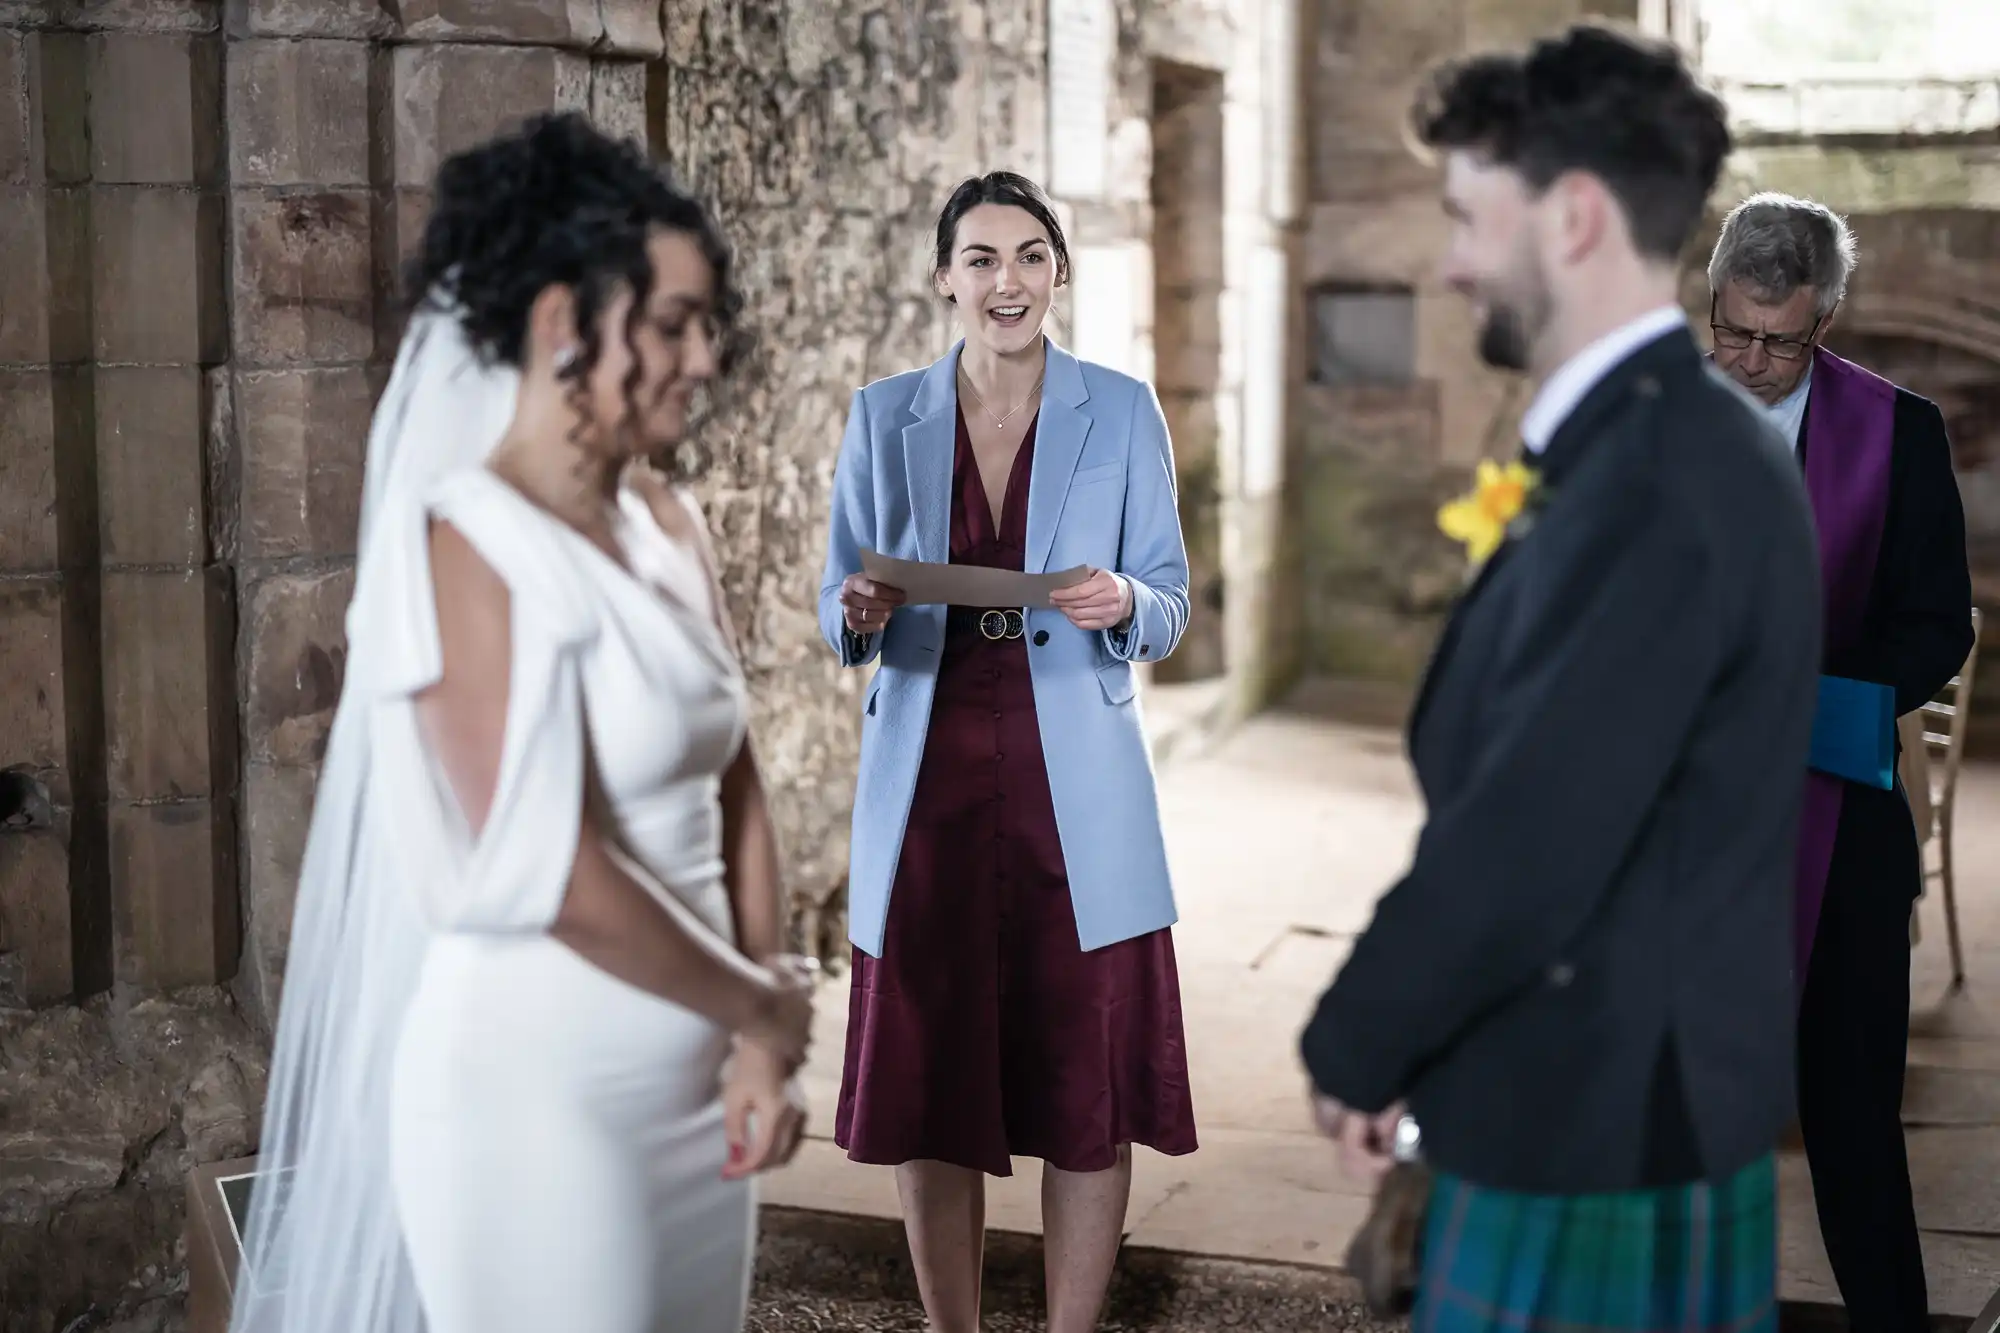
(1366, 1143)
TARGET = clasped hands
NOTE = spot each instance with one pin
(1102, 601)
(1366, 1143)
(764, 1109)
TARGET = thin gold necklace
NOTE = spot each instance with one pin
(1000, 423)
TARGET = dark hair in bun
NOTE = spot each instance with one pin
(557, 201)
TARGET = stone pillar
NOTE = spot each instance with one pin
(1189, 275)
(158, 323)
(54, 899)
(302, 379)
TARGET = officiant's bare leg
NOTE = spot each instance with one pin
(1083, 1220)
(944, 1216)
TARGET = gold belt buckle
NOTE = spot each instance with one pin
(998, 625)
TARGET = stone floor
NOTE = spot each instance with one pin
(1282, 836)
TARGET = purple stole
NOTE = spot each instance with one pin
(1850, 431)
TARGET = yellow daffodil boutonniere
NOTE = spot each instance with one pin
(1497, 504)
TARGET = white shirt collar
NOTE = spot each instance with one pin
(1576, 377)
(1789, 413)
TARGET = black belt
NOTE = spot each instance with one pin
(996, 625)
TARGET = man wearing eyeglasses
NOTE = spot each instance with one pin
(1897, 601)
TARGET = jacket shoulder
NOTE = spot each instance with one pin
(892, 392)
(1716, 429)
(1114, 386)
(1726, 471)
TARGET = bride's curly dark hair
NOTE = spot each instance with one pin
(559, 201)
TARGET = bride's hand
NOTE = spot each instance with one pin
(764, 1111)
(783, 1021)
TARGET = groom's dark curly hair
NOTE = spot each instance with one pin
(558, 201)
(1623, 108)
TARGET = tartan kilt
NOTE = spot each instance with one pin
(1699, 1258)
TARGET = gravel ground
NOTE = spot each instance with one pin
(823, 1274)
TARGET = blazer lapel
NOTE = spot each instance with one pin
(929, 445)
(1060, 431)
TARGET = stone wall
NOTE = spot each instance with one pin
(1389, 425)
(202, 208)
(1185, 260)
(1392, 405)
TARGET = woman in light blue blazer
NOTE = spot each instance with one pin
(1014, 989)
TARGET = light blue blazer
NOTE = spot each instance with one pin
(1101, 494)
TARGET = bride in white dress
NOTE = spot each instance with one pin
(536, 1034)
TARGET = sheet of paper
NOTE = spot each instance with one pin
(929, 584)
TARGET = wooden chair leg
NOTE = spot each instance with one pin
(1988, 1319)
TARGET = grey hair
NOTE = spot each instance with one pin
(1777, 243)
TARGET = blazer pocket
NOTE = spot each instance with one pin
(1116, 679)
(1090, 476)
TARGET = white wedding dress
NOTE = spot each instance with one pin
(472, 1129)
(557, 1141)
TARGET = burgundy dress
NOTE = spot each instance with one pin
(984, 1031)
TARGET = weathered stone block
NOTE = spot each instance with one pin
(1017, 27)
(150, 422)
(618, 98)
(169, 714)
(29, 521)
(1187, 331)
(35, 959)
(45, 278)
(303, 277)
(541, 22)
(157, 269)
(304, 436)
(1014, 122)
(399, 232)
(445, 99)
(33, 718)
(155, 108)
(186, 16)
(48, 483)
(309, 18)
(173, 894)
(58, 87)
(277, 814)
(19, 150)
(298, 113)
(632, 28)
(683, 25)
(295, 655)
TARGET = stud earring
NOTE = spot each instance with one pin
(566, 359)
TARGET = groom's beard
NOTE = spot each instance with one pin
(1504, 341)
(1518, 309)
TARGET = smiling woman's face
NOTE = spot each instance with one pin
(1001, 277)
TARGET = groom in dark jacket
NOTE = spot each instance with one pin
(1581, 986)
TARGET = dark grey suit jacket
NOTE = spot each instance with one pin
(1583, 982)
